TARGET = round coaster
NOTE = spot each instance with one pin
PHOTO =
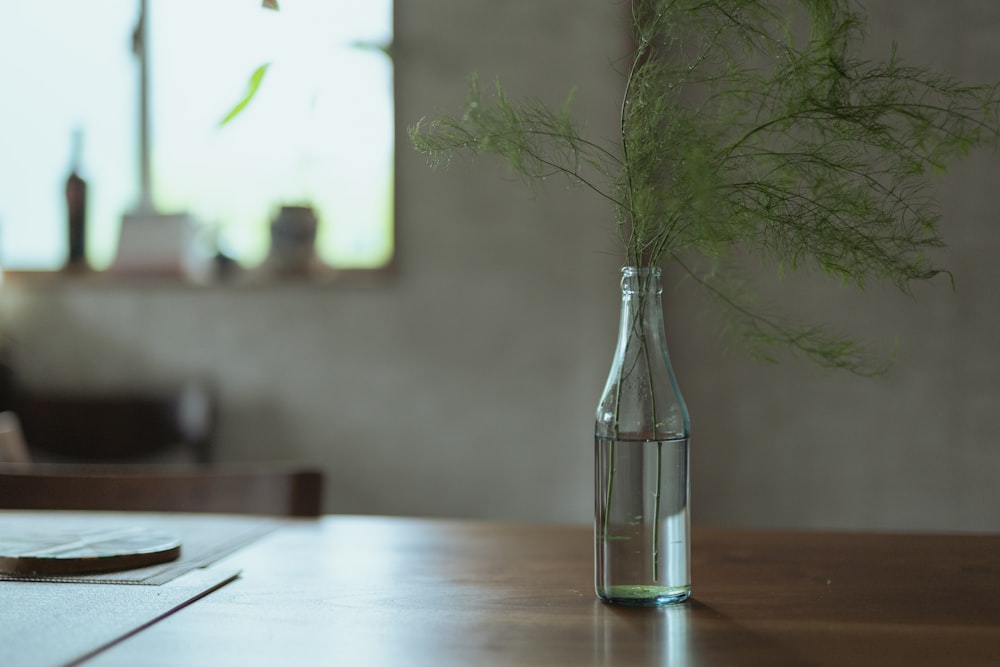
(53, 554)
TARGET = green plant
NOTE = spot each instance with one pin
(754, 127)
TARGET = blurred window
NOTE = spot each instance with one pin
(319, 130)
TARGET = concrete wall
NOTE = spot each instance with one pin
(465, 385)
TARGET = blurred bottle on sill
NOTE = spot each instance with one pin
(76, 206)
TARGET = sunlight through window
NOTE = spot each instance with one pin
(319, 130)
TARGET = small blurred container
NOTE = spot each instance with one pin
(293, 244)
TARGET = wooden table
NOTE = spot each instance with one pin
(387, 591)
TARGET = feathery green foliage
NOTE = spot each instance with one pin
(755, 126)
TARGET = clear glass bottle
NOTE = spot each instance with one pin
(642, 518)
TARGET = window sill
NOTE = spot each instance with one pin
(244, 280)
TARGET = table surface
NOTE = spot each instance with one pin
(397, 591)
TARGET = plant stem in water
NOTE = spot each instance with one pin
(659, 449)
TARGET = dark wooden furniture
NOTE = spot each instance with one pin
(266, 490)
(117, 425)
(381, 591)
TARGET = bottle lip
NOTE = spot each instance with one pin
(641, 280)
(631, 271)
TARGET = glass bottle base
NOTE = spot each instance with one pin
(639, 595)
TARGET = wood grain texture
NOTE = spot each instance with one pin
(381, 591)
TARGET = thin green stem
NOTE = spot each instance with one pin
(654, 435)
(610, 483)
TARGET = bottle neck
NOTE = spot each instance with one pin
(641, 399)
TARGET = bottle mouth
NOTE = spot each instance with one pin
(640, 270)
(641, 280)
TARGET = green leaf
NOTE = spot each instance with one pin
(252, 86)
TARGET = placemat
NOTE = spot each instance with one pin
(204, 539)
(48, 625)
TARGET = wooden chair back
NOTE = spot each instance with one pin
(271, 490)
